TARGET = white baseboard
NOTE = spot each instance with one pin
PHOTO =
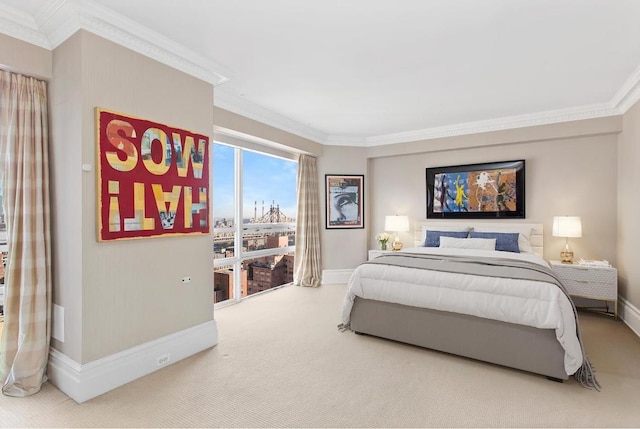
(629, 314)
(82, 382)
(335, 276)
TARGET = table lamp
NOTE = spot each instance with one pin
(396, 224)
(567, 226)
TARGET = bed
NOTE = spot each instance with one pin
(524, 322)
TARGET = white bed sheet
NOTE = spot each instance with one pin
(531, 303)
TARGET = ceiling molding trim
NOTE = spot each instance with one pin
(22, 26)
(629, 92)
(47, 9)
(128, 33)
(57, 20)
(233, 103)
(337, 140)
(506, 123)
(132, 35)
(241, 106)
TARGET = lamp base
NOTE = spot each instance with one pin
(566, 257)
(397, 245)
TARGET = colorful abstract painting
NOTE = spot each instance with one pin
(476, 190)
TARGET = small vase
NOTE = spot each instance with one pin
(383, 245)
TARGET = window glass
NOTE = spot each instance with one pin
(267, 272)
(267, 200)
(269, 188)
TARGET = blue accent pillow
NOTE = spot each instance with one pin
(505, 241)
(433, 237)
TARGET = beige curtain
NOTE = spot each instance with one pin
(24, 347)
(307, 266)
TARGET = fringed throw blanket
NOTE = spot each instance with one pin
(490, 267)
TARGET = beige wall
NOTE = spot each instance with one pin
(66, 194)
(629, 206)
(571, 169)
(570, 176)
(119, 294)
(21, 57)
(343, 248)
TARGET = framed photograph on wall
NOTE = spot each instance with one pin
(344, 198)
(489, 190)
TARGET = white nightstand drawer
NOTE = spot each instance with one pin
(599, 283)
(585, 274)
(607, 291)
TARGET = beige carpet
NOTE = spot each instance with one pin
(281, 362)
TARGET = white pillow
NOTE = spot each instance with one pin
(524, 239)
(468, 243)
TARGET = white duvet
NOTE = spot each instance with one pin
(524, 302)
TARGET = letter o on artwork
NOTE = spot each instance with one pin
(156, 136)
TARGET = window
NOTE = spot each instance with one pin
(254, 209)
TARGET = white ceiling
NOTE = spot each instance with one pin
(367, 72)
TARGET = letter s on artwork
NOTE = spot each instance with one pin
(119, 133)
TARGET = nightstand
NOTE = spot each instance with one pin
(600, 283)
(375, 253)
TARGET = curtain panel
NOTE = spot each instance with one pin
(24, 162)
(307, 262)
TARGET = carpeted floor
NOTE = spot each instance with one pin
(281, 362)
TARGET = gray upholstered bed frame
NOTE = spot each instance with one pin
(516, 346)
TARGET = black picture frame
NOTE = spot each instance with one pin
(473, 191)
(344, 201)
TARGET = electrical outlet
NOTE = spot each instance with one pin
(164, 359)
(186, 279)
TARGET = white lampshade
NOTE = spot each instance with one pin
(396, 223)
(567, 226)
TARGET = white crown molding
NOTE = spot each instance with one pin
(629, 92)
(337, 140)
(131, 34)
(224, 99)
(20, 25)
(626, 97)
(505, 123)
(241, 106)
(57, 20)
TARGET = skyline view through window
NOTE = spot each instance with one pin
(267, 180)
